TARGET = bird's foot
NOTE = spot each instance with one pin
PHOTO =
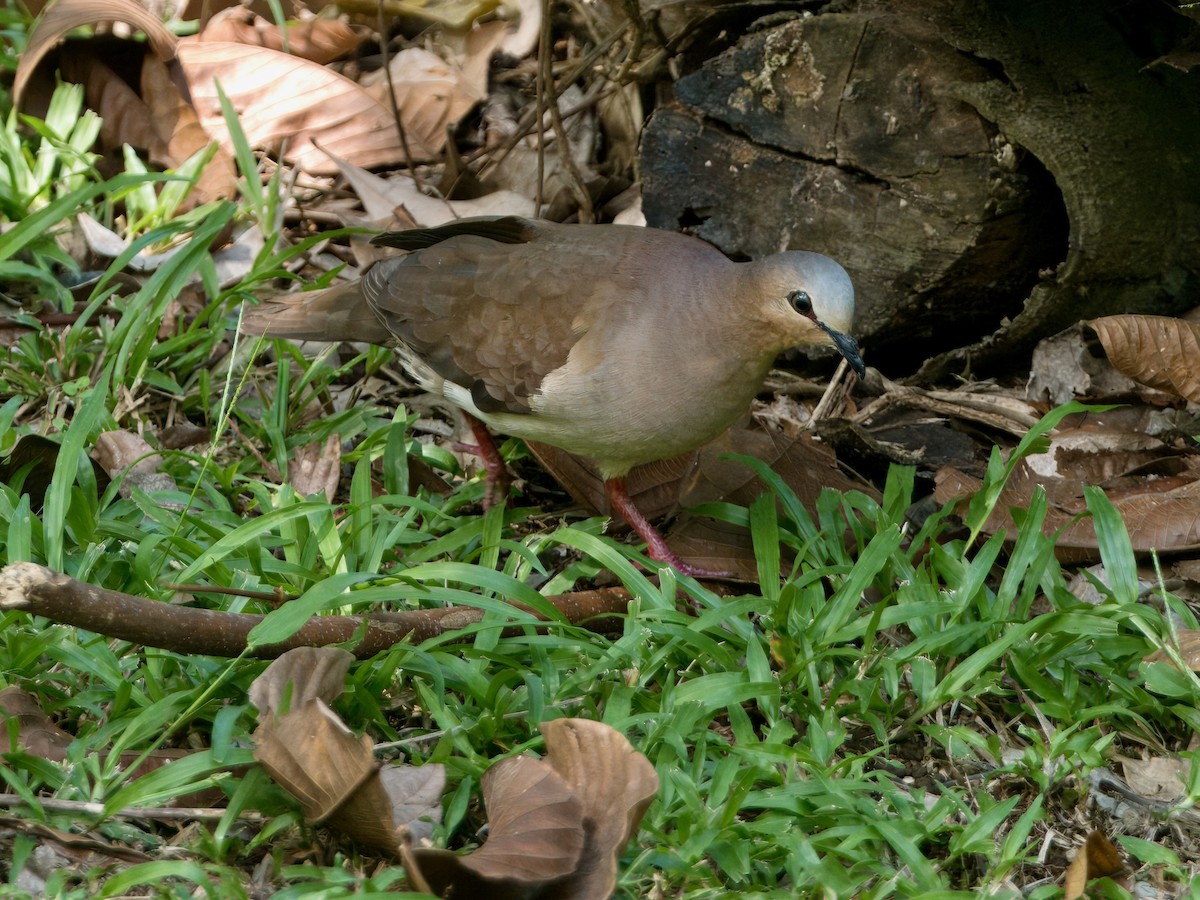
(496, 472)
(656, 545)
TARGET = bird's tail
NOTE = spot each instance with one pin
(338, 313)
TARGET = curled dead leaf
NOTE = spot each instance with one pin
(557, 825)
(1159, 351)
(319, 40)
(66, 15)
(311, 754)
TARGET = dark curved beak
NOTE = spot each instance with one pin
(848, 347)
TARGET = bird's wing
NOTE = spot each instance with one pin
(495, 305)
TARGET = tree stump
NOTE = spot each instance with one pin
(988, 173)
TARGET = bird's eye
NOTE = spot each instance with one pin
(801, 302)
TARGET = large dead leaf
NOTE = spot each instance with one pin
(1156, 350)
(383, 197)
(557, 824)
(299, 677)
(616, 786)
(1159, 778)
(292, 104)
(284, 100)
(316, 468)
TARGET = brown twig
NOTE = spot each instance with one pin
(387, 71)
(182, 629)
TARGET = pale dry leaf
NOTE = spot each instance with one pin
(431, 94)
(300, 676)
(382, 197)
(317, 467)
(66, 15)
(1189, 650)
(283, 100)
(535, 835)
(234, 261)
(519, 42)
(1158, 351)
(470, 53)
(615, 785)
(1161, 778)
(180, 136)
(103, 241)
(1064, 367)
(123, 452)
(36, 734)
(416, 796)
(1161, 513)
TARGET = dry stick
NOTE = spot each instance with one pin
(545, 83)
(183, 629)
(542, 78)
(387, 69)
(158, 813)
(633, 10)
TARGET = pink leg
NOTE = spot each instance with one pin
(493, 465)
(656, 547)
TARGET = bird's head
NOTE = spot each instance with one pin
(809, 300)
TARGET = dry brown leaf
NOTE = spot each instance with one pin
(184, 434)
(122, 452)
(104, 241)
(312, 755)
(317, 468)
(616, 786)
(65, 15)
(415, 793)
(36, 734)
(383, 197)
(1155, 488)
(1097, 858)
(39, 736)
(158, 121)
(1156, 350)
(180, 136)
(319, 40)
(431, 94)
(284, 100)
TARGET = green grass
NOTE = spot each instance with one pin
(908, 714)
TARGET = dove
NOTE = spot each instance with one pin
(616, 343)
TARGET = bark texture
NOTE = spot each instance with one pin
(988, 172)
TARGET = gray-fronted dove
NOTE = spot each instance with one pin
(613, 342)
